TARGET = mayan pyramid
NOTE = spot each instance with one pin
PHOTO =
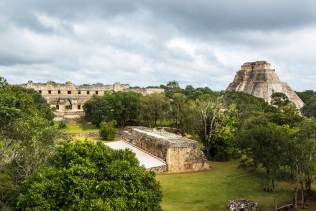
(258, 79)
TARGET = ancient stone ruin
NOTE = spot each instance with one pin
(68, 99)
(258, 79)
(180, 154)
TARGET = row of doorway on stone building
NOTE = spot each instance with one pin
(70, 92)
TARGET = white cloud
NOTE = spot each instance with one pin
(149, 43)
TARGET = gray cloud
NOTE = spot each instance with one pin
(146, 42)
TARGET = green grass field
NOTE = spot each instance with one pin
(80, 127)
(210, 190)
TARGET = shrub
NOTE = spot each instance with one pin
(62, 125)
(108, 130)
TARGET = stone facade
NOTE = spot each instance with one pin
(68, 99)
(258, 79)
(180, 154)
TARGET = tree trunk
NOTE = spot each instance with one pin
(295, 198)
(177, 118)
(267, 185)
(302, 195)
(208, 148)
(273, 185)
(308, 185)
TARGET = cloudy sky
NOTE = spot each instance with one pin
(150, 42)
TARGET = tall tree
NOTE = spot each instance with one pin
(123, 107)
(302, 157)
(283, 111)
(26, 138)
(265, 143)
(309, 99)
(3, 82)
(171, 88)
(214, 123)
(154, 107)
(178, 101)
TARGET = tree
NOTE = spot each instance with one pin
(108, 130)
(214, 124)
(96, 110)
(246, 104)
(279, 100)
(3, 82)
(177, 103)
(217, 121)
(87, 176)
(154, 107)
(171, 88)
(27, 138)
(301, 157)
(123, 107)
(265, 143)
(17, 102)
(283, 111)
(309, 99)
(189, 91)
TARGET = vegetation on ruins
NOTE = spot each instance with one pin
(87, 176)
(108, 130)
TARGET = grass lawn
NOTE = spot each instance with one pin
(210, 190)
(80, 127)
(93, 139)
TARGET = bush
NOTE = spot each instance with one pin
(62, 125)
(108, 130)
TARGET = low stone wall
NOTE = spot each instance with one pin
(180, 154)
(147, 143)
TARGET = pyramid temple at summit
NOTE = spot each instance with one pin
(258, 79)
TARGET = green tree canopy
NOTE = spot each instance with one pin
(265, 143)
(154, 107)
(212, 122)
(87, 176)
(283, 111)
(123, 107)
(246, 103)
(3, 82)
(108, 130)
(17, 102)
(27, 138)
(309, 99)
(171, 88)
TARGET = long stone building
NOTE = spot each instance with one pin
(179, 153)
(68, 99)
(260, 80)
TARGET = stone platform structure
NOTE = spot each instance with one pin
(180, 154)
(68, 99)
(258, 79)
(145, 159)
